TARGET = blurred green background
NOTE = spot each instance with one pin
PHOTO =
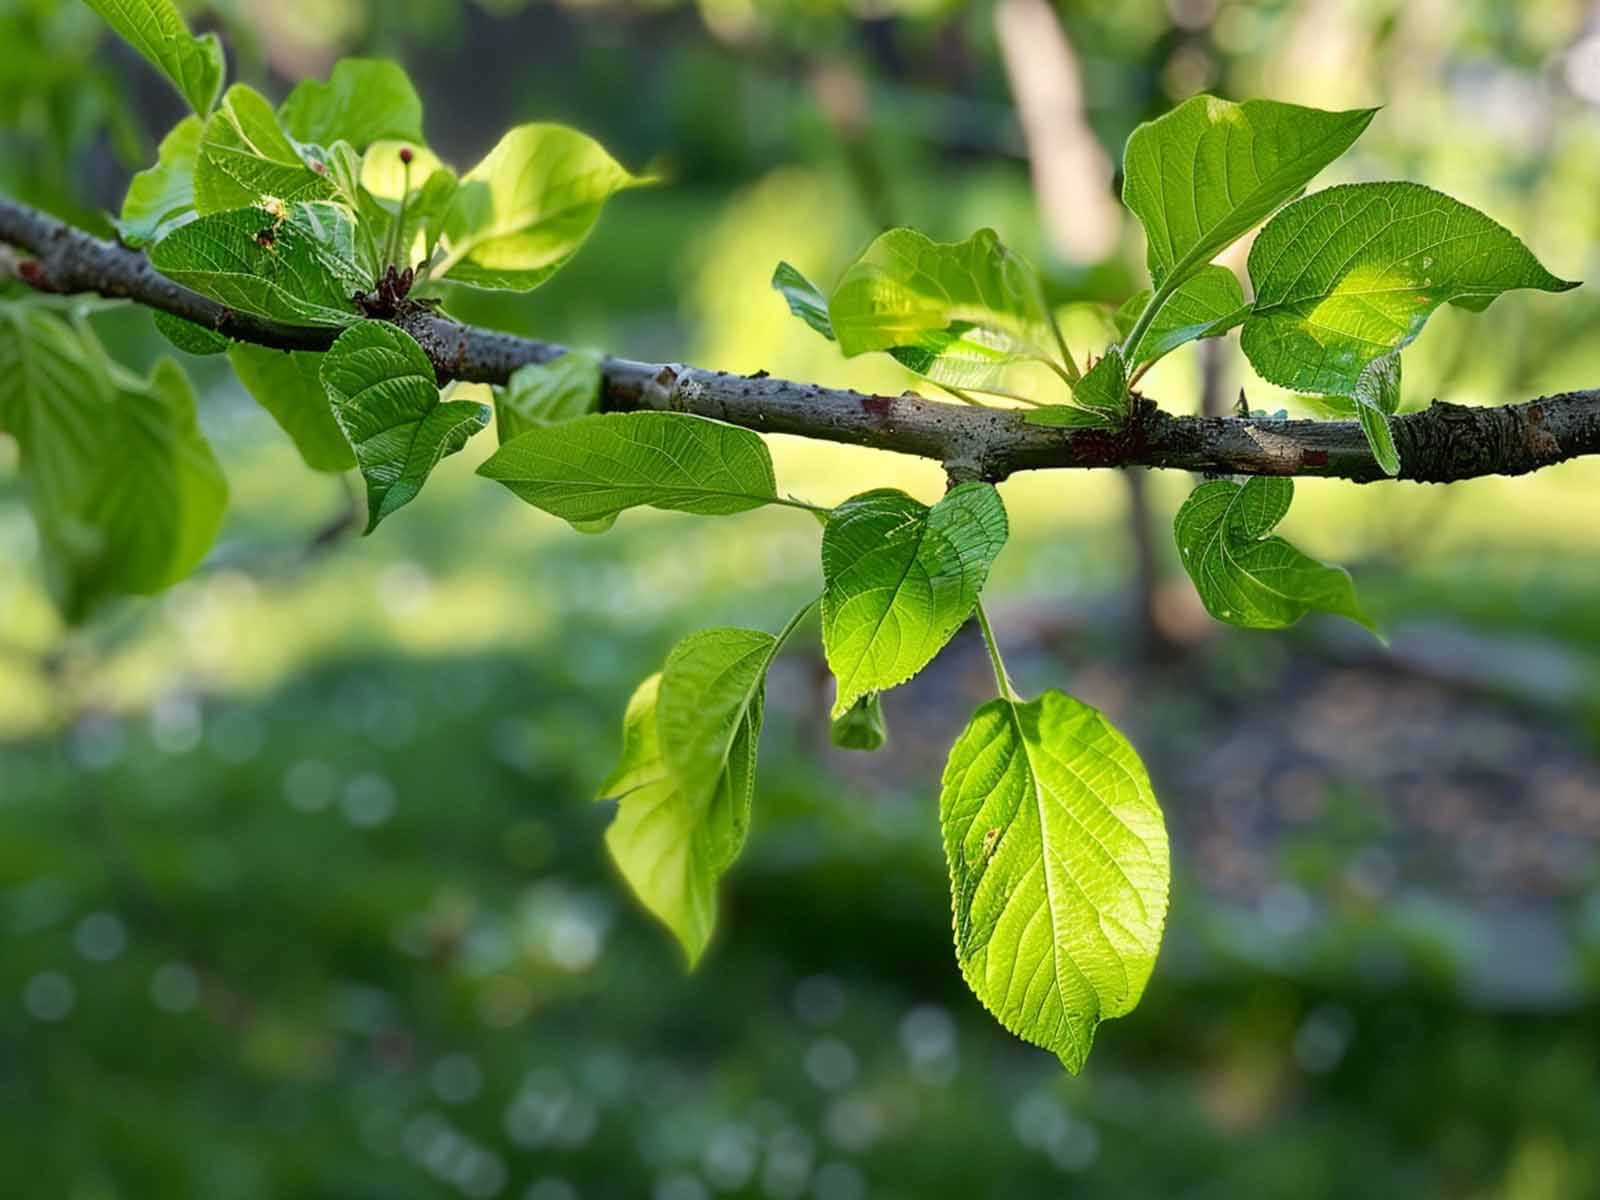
(301, 890)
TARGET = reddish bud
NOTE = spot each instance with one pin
(406, 156)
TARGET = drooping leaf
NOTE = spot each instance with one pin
(1377, 396)
(289, 386)
(542, 394)
(1206, 173)
(1058, 869)
(189, 337)
(193, 65)
(863, 727)
(1246, 577)
(958, 313)
(683, 814)
(246, 159)
(1208, 304)
(804, 298)
(386, 399)
(899, 578)
(1350, 274)
(125, 489)
(595, 467)
(161, 197)
(364, 101)
(523, 211)
(286, 269)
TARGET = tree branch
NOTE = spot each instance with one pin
(1444, 443)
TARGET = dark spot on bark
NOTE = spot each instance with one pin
(1316, 458)
(757, 375)
(877, 407)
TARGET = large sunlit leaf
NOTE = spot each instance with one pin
(1245, 575)
(1206, 173)
(155, 28)
(543, 394)
(1351, 274)
(1208, 304)
(126, 491)
(386, 399)
(287, 269)
(246, 159)
(289, 386)
(593, 468)
(1058, 869)
(958, 313)
(899, 578)
(364, 101)
(686, 776)
(523, 211)
(161, 197)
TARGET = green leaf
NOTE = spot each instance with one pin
(1209, 171)
(246, 159)
(125, 489)
(189, 337)
(863, 727)
(1350, 274)
(289, 386)
(957, 313)
(193, 65)
(686, 777)
(364, 101)
(386, 399)
(1067, 416)
(523, 211)
(805, 299)
(899, 578)
(427, 187)
(1058, 869)
(543, 394)
(1104, 387)
(1246, 577)
(1377, 396)
(162, 197)
(288, 270)
(595, 467)
(1208, 304)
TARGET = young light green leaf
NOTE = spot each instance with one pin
(1207, 304)
(958, 313)
(246, 159)
(161, 197)
(523, 211)
(682, 815)
(1209, 171)
(1104, 387)
(863, 727)
(670, 851)
(1351, 274)
(1246, 577)
(364, 101)
(125, 489)
(899, 578)
(289, 386)
(386, 399)
(193, 65)
(595, 467)
(287, 269)
(1068, 416)
(804, 298)
(1377, 396)
(1058, 869)
(542, 394)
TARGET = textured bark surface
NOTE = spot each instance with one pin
(1443, 443)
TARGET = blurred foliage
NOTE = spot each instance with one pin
(300, 888)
